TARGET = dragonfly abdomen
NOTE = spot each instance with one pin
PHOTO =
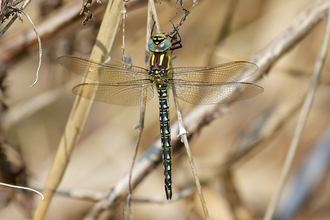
(165, 134)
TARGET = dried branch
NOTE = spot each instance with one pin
(9, 8)
(94, 196)
(39, 43)
(89, 17)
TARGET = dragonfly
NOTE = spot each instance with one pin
(119, 83)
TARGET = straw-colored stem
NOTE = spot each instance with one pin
(80, 109)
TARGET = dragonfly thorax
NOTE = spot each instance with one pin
(160, 63)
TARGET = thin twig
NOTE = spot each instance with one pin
(183, 19)
(39, 46)
(25, 188)
(301, 122)
(95, 196)
(184, 139)
(124, 15)
(161, 200)
(152, 14)
(39, 42)
(140, 126)
(14, 18)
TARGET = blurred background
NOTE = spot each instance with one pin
(33, 119)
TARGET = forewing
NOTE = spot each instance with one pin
(204, 94)
(119, 94)
(112, 72)
(226, 72)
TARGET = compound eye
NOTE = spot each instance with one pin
(166, 44)
(151, 46)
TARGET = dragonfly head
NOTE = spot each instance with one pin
(159, 43)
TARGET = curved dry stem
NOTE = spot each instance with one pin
(301, 122)
(39, 46)
(18, 12)
(24, 188)
(80, 109)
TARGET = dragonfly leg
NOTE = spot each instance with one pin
(175, 39)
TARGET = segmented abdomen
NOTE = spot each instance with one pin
(165, 134)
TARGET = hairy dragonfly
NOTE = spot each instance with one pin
(122, 84)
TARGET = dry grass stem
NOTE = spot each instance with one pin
(152, 17)
(77, 118)
(184, 139)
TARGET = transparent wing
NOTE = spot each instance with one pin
(204, 94)
(119, 94)
(226, 72)
(111, 72)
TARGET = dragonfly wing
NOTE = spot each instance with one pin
(118, 94)
(204, 94)
(226, 72)
(111, 72)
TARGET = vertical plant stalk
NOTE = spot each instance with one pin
(152, 17)
(184, 139)
(80, 109)
(301, 122)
